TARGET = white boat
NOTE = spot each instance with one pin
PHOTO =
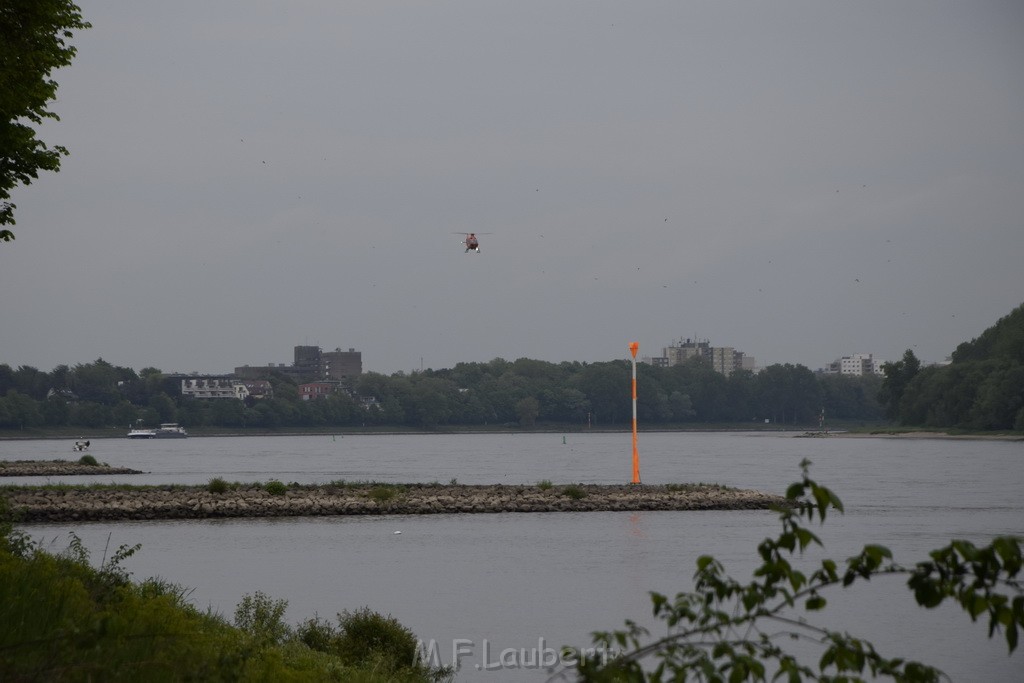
(167, 430)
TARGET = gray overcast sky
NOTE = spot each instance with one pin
(798, 180)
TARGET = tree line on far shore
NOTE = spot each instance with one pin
(982, 389)
(523, 393)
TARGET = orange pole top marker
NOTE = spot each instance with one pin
(634, 347)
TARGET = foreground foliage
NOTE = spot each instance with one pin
(726, 630)
(34, 37)
(63, 620)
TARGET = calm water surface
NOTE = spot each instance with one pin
(491, 582)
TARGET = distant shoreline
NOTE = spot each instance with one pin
(879, 433)
(930, 435)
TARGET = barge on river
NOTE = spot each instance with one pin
(167, 430)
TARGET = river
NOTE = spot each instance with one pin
(477, 585)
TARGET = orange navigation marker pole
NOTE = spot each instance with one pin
(633, 348)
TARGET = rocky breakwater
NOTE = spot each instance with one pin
(54, 468)
(63, 504)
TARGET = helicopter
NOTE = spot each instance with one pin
(471, 242)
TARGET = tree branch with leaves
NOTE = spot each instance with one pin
(725, 630)
(34, 37)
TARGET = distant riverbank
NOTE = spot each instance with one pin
(877, 431)
(62, 503)
(932, 435)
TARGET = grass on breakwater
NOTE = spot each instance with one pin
(219, 498)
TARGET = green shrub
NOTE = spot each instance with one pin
(544, 484)
(317, 634)
(263, 618)
(217, 485)
(367, 637)
(275, 488)
(382, 494)
(88, 460)
(574, 492)
(63, 620)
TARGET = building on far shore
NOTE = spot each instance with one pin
(311, 364)
(857, 364)
(224, 386)
(724, 359)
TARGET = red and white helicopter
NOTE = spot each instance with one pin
(471, 242)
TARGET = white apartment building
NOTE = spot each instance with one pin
(857, 364)
(224, 387)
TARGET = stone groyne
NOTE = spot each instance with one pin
(53, 468)
(64, 504)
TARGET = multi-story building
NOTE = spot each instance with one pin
(208, 386)
(683, 351)
(311, 391)
(311, 364)
(857, 364)
(224, 386)
(724, 359)
(341, 365)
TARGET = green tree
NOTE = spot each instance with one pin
(193, 412)
(7, 380)
(705, 387)
(1000, 397)
(89, 414)
(606, 386)
(726, 630)
(788, 394)
(527, 410)
(428, 401)
(227, 413)
(1005, 339)
(34, 37)
(20, 412)
(56, 411)
(898, 375)
(124, 414)
(681, 406)
(164, 407)
(99, 381)
(32, 382)
(740, 389)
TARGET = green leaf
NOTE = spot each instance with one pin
(815, 603)
(806, 537)
(927, 594)
(834, 499)
(704, 561)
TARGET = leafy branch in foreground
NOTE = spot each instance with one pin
(730, 631)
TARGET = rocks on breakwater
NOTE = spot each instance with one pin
(53, 468)
(62, 504)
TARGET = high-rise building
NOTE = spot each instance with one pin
(724, 359)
